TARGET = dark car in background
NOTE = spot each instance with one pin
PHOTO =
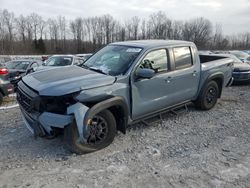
(5, 87)
(241, 70)
(19, 68)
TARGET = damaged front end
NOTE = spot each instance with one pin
(42, 115)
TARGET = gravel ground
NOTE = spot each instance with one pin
(193, 149)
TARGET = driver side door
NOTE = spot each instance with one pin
(150, 95)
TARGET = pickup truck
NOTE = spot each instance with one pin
(123, 83)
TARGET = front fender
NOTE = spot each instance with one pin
(83, 115)
(114, 101)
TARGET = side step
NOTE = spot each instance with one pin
(175, 111)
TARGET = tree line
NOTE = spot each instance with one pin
(33, 34)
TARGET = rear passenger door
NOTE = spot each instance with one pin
(185, 74)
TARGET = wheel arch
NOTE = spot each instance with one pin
(117, 106)
(218, 78)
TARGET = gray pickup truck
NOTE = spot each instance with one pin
(121, 84)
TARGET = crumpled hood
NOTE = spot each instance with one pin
(66, 80)
(241, 67)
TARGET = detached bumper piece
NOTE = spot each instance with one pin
(34, 127)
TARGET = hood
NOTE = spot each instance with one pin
(241, 67)
(66, 80)
(45, 68)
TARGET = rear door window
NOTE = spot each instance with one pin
(183, 57)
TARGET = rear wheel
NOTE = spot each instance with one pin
(101, 134)
(208, 97)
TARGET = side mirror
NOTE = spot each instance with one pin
(144, 73)
(30, 70)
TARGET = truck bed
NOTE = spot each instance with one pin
(208, 58)
(211, 64)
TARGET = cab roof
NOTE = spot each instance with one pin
(152, 43)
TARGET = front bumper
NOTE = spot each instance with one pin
(42, 124)
(6, 88)
(241, 76)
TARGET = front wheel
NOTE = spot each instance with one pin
(208, 97)
(101, 134)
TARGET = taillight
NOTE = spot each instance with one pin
(4, 71)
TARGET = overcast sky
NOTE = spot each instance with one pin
(233, 15)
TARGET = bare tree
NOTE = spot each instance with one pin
(108, 27)
(35, 20)
(177, 27)
(8, 20)
(21, 27)
(62, 30)
(135, 22)
(143, 29)
(198, 30)
(41, 28)
(53, 32)
(128, 31)
(19, 34)
(158, 22)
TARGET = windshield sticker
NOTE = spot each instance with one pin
(135, 50)
(67, 58)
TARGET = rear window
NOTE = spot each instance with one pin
(20, 65)
(183, 57)
(59, 61)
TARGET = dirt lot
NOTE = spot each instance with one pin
(193, 149)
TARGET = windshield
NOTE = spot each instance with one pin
(20, 65)
(113, 60)
(59, 61)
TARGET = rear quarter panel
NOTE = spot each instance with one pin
(218, 68)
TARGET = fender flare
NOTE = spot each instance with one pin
(218, 75)
(114, 101)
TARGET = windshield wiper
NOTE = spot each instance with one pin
(84, 66)
(97, 70)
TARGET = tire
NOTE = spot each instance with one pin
(109, 124)
(1, 98)
(208, 96)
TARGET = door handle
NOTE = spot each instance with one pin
(194, 73)
(168, 79)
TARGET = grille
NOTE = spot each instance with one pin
(24, 100)
(242, 76)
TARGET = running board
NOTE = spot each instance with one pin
(175, 111)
